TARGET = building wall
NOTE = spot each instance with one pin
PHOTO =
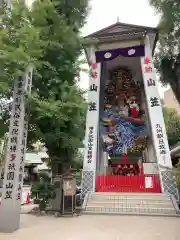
(170, 100)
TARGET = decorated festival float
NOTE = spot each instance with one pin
(123, 128)
(126, 147)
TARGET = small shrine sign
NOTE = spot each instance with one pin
(69, 185)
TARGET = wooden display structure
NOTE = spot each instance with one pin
(69, 190)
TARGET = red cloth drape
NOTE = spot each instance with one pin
(134, 112)
(124, 158)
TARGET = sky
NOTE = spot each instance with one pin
(105, 12)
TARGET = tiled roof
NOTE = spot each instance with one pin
(32, 158)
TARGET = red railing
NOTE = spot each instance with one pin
(127, 184)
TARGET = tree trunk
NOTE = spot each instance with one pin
(175, 82)
(57, 168)
(60, 164)
(174, 87)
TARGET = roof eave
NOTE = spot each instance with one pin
(138, 28)
(121, 36)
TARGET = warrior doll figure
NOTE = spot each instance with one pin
(134, 108)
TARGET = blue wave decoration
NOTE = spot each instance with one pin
(127, 132)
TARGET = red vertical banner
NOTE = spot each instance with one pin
(93, 70)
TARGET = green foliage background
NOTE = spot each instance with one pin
(47, 36)
(167, 58)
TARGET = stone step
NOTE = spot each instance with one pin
(131, 200)
(158, 204)
(127, 204)
(134, 213)
(132, 210)
(129, 196)
(113, 198)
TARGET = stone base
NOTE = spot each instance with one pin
(9, 222)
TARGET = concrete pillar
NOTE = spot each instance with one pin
(92, 126)
(157, 125)
(150, 152)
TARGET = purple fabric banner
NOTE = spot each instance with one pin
(107, 55)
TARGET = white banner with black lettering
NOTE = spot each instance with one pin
(92, 120)
(158, 129)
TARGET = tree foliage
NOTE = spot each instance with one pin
(78, 160)
(167, 58)
(20, 44)
(172, 123)
(48, 36)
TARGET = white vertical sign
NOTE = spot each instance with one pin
(158, 129)
(14, 166)
(9, 220)
(148, 182)
(23, 143)
(92, 119)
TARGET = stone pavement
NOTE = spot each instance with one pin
(88, 227)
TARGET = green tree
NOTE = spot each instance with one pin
(167, 58)
(172, 123)
(56, 108)
(3, 151)
(20, 45)
(78, 160)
